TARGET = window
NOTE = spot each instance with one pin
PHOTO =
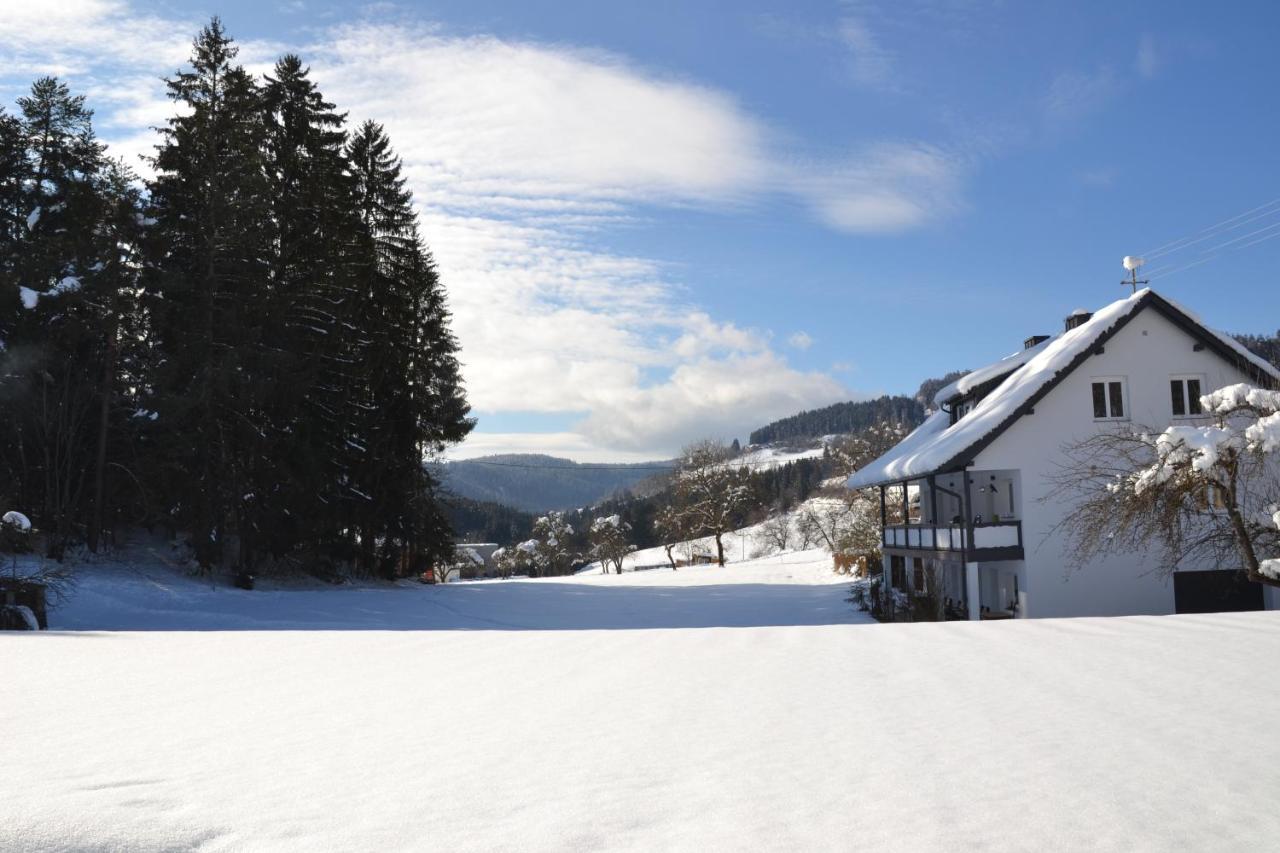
(1184, 393)
(1108, 399)
(897, 571)
(917, 564)
(961, 409)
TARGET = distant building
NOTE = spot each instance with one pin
(977, 506)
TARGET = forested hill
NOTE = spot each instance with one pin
(537, 483)
(842, 418)
(1266, 346)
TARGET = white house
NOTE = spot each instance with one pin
(984, 521)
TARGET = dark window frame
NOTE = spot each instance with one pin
(1184, 395)
(1108, 397)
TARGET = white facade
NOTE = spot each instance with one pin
(1017, 562)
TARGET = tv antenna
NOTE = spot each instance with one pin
(1132, 264)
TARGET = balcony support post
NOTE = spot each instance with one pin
(933, 507)
(966, 514)
(884, 523)
(973, 590)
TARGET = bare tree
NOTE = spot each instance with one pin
(710, 492)
(1204, 495)
(776, 532)
(670, 525)
(609, 542)
(851, 452)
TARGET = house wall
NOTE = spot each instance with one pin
(1146, 352)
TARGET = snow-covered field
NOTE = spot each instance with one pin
(709, 709)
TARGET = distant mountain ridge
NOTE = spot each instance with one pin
(842, 418)
(537, 483)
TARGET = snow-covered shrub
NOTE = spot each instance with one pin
(551, 546)
(15, 533)
(609, 543)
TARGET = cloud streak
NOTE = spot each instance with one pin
(522, 157)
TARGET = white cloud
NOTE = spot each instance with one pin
(1148, 61)
(1074, 94)
(521, 156)
(490, 116)
(67, 37)
(566, 445)
(870, 64)
(712, 397)
(800, 340)
(887, 188)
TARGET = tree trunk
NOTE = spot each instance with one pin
(1250, 556)
(719, 550)
(104, 414)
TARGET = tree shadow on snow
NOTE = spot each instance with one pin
(543, 605)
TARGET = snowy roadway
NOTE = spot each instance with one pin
(710, 709)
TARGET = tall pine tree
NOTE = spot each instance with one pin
(209, 283)
(412, 403)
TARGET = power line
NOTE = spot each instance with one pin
(1219, 250)
(582, 466)
(1203, 234)
(605, 466)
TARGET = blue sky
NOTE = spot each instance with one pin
(665, 221)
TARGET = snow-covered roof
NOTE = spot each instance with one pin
(974, 378)
(938, 445)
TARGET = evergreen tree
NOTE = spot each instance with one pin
(312, 287)
(209, 283)
(69, 261)
(13, 177)
(411, 403)
(259, 356)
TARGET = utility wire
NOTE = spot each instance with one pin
(604, 466)
(1218, 250)
(1271, 207)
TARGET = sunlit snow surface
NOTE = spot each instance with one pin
(708, 709)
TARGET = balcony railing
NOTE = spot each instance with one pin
(991, 540)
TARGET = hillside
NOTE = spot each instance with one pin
(841, 418)
(537, 483)
(485, 521)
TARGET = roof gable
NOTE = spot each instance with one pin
(937, 445)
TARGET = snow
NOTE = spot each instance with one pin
(32, 218)
(974, 378)
(30, 298)
(936, 442)
(747, 707)
(17, 519)
(767, 457)
(68, 284)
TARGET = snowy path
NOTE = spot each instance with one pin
(1121, 734)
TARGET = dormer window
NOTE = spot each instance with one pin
(1109, 398)
(1184, 393)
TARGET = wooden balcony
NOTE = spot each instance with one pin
(997, 540)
